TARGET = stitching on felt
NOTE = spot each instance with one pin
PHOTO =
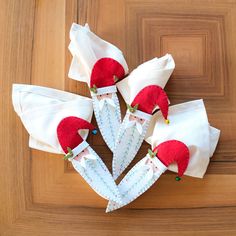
(100, 120)
(133, 151)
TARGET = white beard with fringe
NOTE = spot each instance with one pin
(137, 181)
(94, 171)
(130, 137)
(108, 116)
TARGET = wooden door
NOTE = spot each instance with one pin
(40, 193)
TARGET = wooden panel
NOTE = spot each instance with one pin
(40, 194)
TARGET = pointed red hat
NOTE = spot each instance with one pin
(173, 151)
(67, 132)
(149, 97)
(103, 73)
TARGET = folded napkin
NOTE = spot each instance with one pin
(58, 122)
(40, 108)
(148, 170)
(143, 94)
(189, 124)
(184, 146)
(100, 64)
(153, 72)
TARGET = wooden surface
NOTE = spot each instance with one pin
(40, 194)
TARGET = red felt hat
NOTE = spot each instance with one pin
(149, 97)
(103, 73)
(173, 151)
(67, 132)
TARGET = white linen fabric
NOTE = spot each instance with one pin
(131, 133)
(41, 109)
(87, 48)
(189, 124)
(153, 72)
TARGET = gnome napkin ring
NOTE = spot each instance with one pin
(84, 159)
(135, 124)
(105, 73)
(148, 170)
(100, 64)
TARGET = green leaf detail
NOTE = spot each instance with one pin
(93, 89)
(115, 78)
(136, 107)
(69, 154)
(151, 153)
(132, 109)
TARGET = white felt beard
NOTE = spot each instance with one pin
(137, 181)
(129, 139)
(108, 116)
(94, 171)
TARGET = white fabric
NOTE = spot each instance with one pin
(109, 101)
(41, 109)
(86, 48)
(214, 138)
(86, 157)
(96, 174)
(127, 144)
(138, 126)
(137, 181)
(154, 166)
(153, 72)
(189, 124)
(140, 114)
(108, 118)
(101, 91)
(77, 150)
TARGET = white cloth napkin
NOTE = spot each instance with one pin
(87, 48)
(41, 109)
(189, 124)
(153, 72)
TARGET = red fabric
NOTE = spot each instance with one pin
(149, 97)
(103, 72)
(173, 151)
(67, 131)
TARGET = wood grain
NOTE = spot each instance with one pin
(42, 195)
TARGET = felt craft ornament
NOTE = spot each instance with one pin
(189, 122)
(84, 159)
(134, 126)
(106, 105)
(148, 170)
(99, 64)
(190, 125)
(58, 122)
(41, 109)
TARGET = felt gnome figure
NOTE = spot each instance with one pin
(105, 101)
(135, 124)
(190, 125)
(58, 122)
(148, 170)
(100, 64)
(84, 159)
